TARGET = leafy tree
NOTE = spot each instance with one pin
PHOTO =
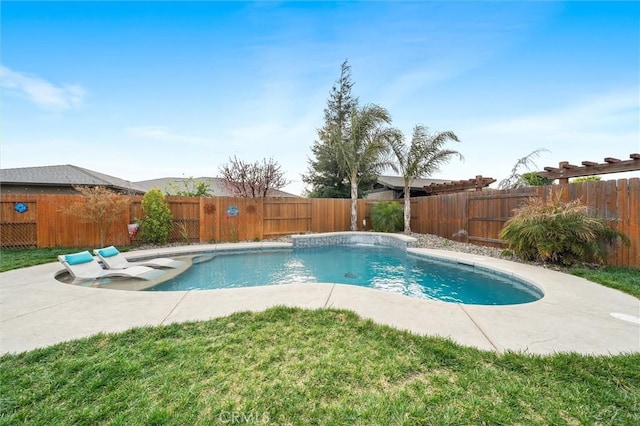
(363, 150)
(421, 158)
(587, 179)
(326, 178)
(558, 232)
(386, 217)
(533, 179)
(253, 180)
(189, 188)
(99, 205)
(514, 181)
(157, 218)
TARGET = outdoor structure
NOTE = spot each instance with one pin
(217, 186)
(564, 171)
(60, 180)
(392, 188)
(476, 183)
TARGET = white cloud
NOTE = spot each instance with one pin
(590, 115)
(591, 129)
(41, 92)
(165, 134)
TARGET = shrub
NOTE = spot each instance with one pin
(99, 205)
(587, 179)
(533, 179)
(558, 232)
(387, 217)
(157, 220)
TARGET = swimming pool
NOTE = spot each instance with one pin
(379, 267)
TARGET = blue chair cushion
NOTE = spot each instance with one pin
(108, 251)
(78, 258)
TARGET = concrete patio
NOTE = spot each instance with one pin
(575, 315)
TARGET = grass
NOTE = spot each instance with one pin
(21, 258)
(299, 367)
(623, 279)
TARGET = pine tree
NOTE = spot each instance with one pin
(324, 175)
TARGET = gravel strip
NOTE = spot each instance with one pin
(432, 242)
(436, 242)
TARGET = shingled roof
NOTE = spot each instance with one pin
(397, 182)
(217, 186)
(65, 175)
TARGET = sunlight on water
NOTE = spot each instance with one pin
(375, 267)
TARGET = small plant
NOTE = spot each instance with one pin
(506, 253)
(534, 179)
(387, 217)
(99, 205)
(233, 229)
(157, 220)
(586, 179)
(184, 231)
(190, 188)
(515, 179)
(559, 232)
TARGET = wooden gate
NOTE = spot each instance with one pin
(18, 216)
(488, 212)
(286, 216)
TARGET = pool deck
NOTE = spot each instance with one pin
(36, 310)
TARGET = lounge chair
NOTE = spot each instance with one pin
(83, 266)
(113, 259)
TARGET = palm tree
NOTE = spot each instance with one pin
(421, 159)
(363, 148)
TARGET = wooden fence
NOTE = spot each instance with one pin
(478, 217)
(475, 217)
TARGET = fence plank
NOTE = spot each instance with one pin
(284, 216)
(466, 216)
(633, 227)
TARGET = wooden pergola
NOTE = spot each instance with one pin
(477, 183)
(564, 171)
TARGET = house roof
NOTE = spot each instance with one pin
(70, 175)
(397, 182)
(217, 186)
(64, 175)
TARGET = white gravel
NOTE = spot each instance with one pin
(435, 242)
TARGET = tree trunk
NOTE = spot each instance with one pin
(354, 204)
(101, 228)
(407, 210)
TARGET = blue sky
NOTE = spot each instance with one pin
(143, 90)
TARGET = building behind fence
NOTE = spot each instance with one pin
(30, 221)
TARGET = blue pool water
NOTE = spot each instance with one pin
(376, 267)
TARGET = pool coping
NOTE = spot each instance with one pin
(575, 315)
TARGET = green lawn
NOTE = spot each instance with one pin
(624, 279)
(21, 258)
(300, 367)
(291, 366)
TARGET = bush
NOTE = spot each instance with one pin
(559, 232)
(533, 179)
(387, 217)
(587, 179)
(157, 220)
